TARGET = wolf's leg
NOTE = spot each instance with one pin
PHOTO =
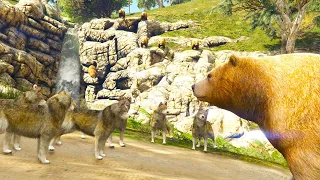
(44, 142)
(122, 144)
(205, 144)
(153, 132)
(6, 142)
(164, 137)
(213, 140)
(58, 140)
(97, 147)
(169, 130)
(16, 142)
(83, 136)
(199, 142)
(194, 139)
(52, 142)
(110, 141)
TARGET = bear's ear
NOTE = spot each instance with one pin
(233, 59)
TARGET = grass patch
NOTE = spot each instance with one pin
(12, 1)
(219, 24)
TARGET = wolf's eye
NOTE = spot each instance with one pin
(209, 76)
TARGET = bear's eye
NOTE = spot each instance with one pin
(209, 76)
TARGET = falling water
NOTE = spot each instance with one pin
(68, 77)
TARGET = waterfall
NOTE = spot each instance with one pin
(68, 77)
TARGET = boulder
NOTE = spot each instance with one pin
(6, 79)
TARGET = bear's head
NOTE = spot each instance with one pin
(238, 85)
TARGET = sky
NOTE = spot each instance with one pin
(134, 7)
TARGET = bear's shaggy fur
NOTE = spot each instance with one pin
(144, 41)
(144, 16)
(195, 44)
(92, 70)
(122, 14)
(282, 95)
(162, 43)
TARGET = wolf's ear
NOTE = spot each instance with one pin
(233, 59)
(201, 105)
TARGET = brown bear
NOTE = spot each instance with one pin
(144, 16)
(195, 44)
(92, 70)
(122, 14)
(144, 41)
(282, 95)
(162, 43)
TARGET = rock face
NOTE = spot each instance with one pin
(151, 75)
(30, 42)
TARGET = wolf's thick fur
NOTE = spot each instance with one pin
(100, 124)
(201, 128)
(159, 121)
(42, 121)
(30, 98)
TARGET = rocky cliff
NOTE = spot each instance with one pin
(151, 75)
(30, 46)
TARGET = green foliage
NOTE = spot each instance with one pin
(263, 13)
(256, 150)
(138, 126)
(146, 4)
(83, 10)
(13, 1)
(145, 112)
(173, 2)
(7, 92)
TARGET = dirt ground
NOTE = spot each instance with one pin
(139, 160)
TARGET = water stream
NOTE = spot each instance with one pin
(68, 77)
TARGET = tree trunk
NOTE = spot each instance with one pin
(160, 3)
(283, 43)
(290, 44)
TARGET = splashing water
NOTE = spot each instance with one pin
(68, 78)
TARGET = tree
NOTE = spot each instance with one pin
(277, 17)
(84, 10)
(146, 4)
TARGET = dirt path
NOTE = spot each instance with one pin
(139, 160)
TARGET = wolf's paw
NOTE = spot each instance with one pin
(59, 143)
(122, 145)
(103, 155)
(17, 148)
(198, 145)
(99, 157)
(111, 146)
(7, 151)
(83, 136)
(152, 141)
(51, 148)
(205, 150)
(45, 161)
(215, 146)
(193, 148)
(164, 142)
